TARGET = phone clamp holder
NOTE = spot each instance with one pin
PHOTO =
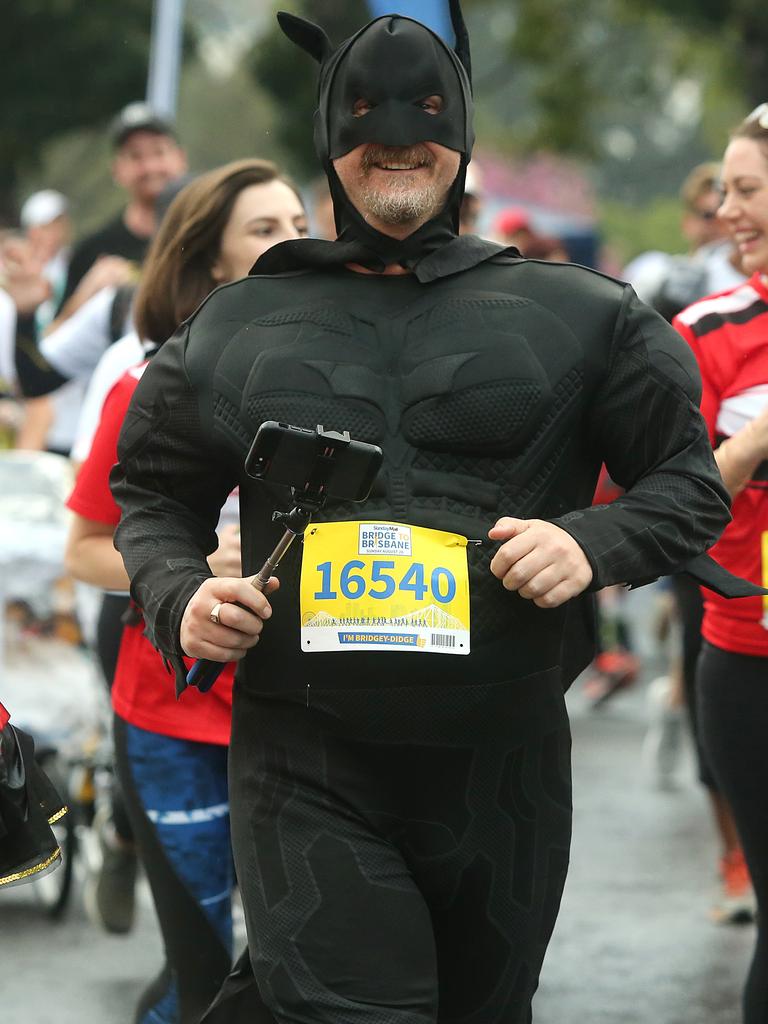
(319, 470)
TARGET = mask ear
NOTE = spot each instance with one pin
(462, 37)
(309, 37)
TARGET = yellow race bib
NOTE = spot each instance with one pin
(379, 586)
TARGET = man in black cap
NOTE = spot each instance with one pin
(147, 157)
(401, 817)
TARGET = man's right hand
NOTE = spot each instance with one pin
(104, 272)
(238, 629)
(22, 273)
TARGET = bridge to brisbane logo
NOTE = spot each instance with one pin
(384, 539)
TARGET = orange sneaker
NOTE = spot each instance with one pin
(612, 670)
(736, 904)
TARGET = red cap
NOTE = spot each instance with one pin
(513, 219)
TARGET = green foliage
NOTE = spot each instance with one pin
(289, 76)
(63, 64)
(628, 230)
(744, 23)
(712, 14)
(564, 90)
(224, 118)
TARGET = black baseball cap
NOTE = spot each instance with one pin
(138, 117)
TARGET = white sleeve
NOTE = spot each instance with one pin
(647, 273)
(76, 346)
(7, 339)
(116, 360)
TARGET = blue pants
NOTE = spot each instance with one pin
(176, 797)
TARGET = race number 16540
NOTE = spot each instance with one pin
(381, 582)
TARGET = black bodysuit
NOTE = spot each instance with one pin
(495, 392)
(401, 823)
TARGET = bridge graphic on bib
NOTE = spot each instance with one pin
(432, 617)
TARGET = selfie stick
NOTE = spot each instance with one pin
(314, 457)
(204, 673)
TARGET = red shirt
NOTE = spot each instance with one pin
(728, 333)
(143, 690)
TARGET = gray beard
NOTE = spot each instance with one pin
(401, 205)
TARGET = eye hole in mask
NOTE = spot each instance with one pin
(430, 105)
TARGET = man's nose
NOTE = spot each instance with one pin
(152, 164)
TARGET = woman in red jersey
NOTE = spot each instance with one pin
(171, 756)
(729, 334)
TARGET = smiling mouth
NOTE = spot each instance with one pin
(744, 238)
(398, 160)
(398, 167)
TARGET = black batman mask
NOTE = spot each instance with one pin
(393, 64)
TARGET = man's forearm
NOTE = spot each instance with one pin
(653, 530)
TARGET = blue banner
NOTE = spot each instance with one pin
(432, 13)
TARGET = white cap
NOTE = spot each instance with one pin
(473, 183)
(42, 208)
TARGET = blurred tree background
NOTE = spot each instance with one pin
(63, 65)
(635, 91)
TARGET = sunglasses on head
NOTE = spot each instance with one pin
(759, 114)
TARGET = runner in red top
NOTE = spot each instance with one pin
(143, 691)
(171, 755)
(729, 334)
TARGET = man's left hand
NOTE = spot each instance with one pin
(540, 561)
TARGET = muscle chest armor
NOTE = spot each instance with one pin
(475, 393)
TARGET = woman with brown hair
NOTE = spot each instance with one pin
(171, 755)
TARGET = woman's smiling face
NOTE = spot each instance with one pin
(744, 209)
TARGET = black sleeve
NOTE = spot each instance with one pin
(83, 257)
(170, 484)
(646, 425)
(35, 374)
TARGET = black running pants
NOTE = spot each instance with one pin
(733, 709)
(401, 852)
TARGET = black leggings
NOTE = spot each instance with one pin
(109, 633)
(733, 709)
(401, 852)
(690, 606)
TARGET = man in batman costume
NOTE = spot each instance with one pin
(401, 821)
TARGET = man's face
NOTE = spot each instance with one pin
(396, 189)
(700, 222)
(146, 162)
(48, 239)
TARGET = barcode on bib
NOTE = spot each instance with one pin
(438, 640)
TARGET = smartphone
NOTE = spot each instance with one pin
(313, 460)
